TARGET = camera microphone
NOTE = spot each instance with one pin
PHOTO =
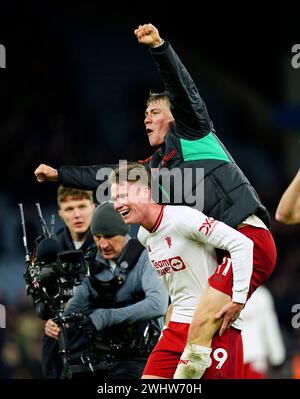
(47, 250)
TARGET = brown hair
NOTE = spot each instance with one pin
(75, 193)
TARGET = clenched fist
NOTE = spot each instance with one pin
(148, 34)
(46, 173)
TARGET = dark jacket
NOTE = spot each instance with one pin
(191, 143)
(64, 238)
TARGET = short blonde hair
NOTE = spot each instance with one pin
(153, 97)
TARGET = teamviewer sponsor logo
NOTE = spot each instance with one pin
(166, 266)
(177, 263)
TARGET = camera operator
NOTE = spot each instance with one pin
(76, 208)
(122, 297)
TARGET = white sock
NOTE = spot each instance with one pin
(193, 362)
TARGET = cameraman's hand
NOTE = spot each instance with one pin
(46, 173)
(52, 329)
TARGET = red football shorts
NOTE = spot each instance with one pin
(264, 260)
(227, 353)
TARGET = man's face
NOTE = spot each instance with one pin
(77, 215)
(130, 200)
(110, 247)
(158, 120)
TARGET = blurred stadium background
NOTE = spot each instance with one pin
(74, 92)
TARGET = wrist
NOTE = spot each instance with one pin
(158, 43)
(239, 297)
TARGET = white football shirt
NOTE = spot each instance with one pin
(181, 247)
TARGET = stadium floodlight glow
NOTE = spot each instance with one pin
(2, 56)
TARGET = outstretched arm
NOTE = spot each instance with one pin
(82, 177)
(148, 34)
(288, 210)
(46, 173)
(188, 108)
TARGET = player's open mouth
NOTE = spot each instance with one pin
(149, 131)
(124, 212)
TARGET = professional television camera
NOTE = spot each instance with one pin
(51, 274)
(50, 278)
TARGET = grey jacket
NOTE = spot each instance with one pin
(142, 278)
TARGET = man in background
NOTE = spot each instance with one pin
(76, 208)
(262, 339)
